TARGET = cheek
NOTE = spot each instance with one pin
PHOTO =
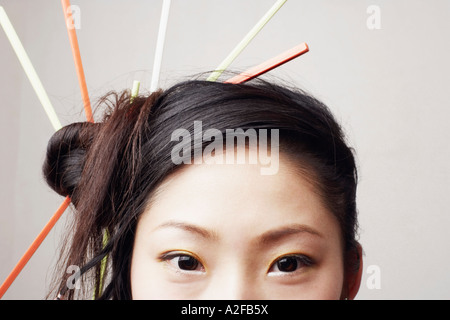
(142, 274)
(140, 277)
(329, 285)
(146, 283)
(330, 281)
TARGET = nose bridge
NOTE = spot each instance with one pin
(233, 283)
(232, 288)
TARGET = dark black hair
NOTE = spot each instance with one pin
(110, 169)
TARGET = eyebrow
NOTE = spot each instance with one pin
(267, 237)
(286, 231)
(204, 233)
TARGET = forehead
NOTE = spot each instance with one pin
(236, 197)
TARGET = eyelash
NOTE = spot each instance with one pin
(301, 261)
(169, 256)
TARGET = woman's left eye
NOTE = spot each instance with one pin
(289, 264)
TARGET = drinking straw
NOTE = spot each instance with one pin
(135, 89)
(102, 264)
(77, 58)
(270, 64)
(28, 68)
(34, 246)
(160, 45)
(246, 40)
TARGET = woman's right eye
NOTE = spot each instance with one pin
(183, 262)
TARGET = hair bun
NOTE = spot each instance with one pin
(66, 154)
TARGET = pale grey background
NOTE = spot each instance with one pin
(388, 87)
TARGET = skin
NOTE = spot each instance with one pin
(232, 229)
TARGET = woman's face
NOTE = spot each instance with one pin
(216, 231)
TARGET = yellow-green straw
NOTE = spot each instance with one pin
(29, 69)
(103, 263)
(135, 89)
(245, 41)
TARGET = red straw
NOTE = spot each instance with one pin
(270, 64)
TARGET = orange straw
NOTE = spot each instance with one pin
(77, 57)
(88, 111)
(270, 64)
(32, 249)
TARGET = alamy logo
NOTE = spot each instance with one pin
(374, 278)
(73, 281)
(74, 17)
(235, 147)
(373, 22)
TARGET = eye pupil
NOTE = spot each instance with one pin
(288, 264)
(187, 263)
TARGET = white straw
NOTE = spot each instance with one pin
(28, 68)
(246, 40)
(160, 45)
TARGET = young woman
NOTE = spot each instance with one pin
(208, 190)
